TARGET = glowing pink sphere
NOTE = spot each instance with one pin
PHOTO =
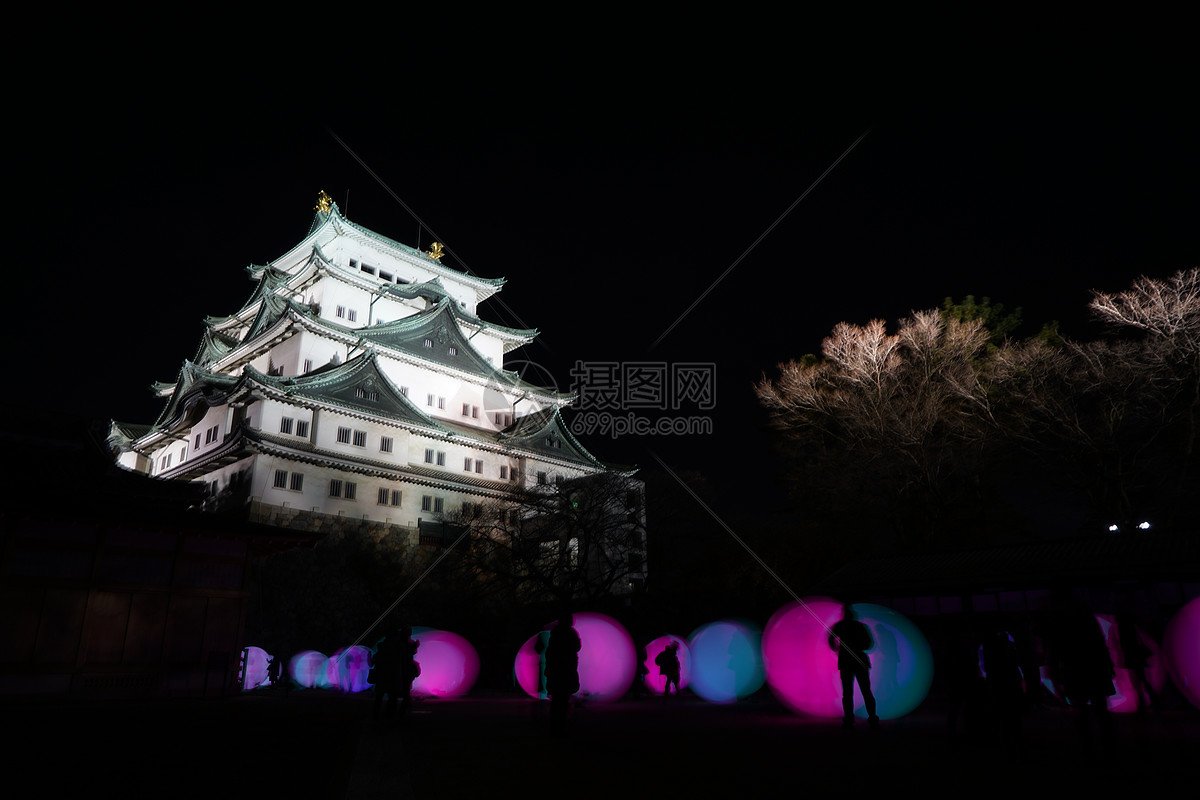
(307, 669)
(726, 661)
(1181, 650)
(449, 664)
(1126, 699)
(607, 659)
(802, 671)
(655, 681)
(256, 666)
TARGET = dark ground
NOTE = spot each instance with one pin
(318, 744)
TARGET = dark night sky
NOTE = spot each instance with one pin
(611, 200)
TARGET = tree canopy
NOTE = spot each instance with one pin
(944, 425)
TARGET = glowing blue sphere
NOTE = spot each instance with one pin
(726, 661)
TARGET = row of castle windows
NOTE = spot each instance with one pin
(348, 490)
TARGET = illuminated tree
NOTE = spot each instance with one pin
(579, 540)
(898, 420)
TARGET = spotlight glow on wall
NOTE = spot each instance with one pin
(726, 660)
(449, 664)
(1181, 650)
(802, 671)
(654, 680)
(607, 659)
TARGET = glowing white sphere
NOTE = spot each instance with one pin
(256, 667)
(307, 669)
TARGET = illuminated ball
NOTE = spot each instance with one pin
(607, 659)
(449, 664)
(726, 661)
(1181, 650)
(348, 669)
(307, 669)
(655, 681)
(802, 668)
(256, 668)
(1126, 699)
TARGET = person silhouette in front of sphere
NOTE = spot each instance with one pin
(852, 639)
(562, 671)
(668, 667)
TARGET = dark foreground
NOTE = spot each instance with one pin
(317, 744)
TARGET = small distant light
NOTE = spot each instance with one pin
(1112, 527)
(1144, 525)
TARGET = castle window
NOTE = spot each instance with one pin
(383, 497)
(428, 455)
(438, 504)
(441, 458)
(429, 342)
(385, 444)
(335, 488)
(285, 425)
(302, 427)
(442, 403)
(475, 412)
(360, 438)
(479, 466)
(351, 490)
(197, 441)
(387, 276)
(343, 435)
(404, 391)
(453, 350)
(426, 503)
(466, 409)
(281, 479)
(341, 312)
(297, 482)
(352, 315)
(429, 400)
(308, 365)
(366, 394)
(395, 497)
(542, 479)
(467, 464)
(503, 472)
(385, 494)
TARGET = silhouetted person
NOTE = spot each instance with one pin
(1005, 690)
(562, 671)
(960, 670)
(852, 639)
(668, 667)
(1083, 669)
(410, 669)
(385, 674)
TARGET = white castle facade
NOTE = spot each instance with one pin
(358, 383)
